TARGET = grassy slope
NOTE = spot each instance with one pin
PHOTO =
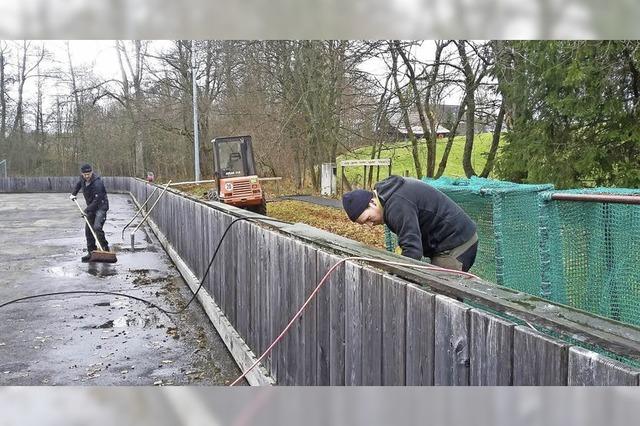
(401, 158)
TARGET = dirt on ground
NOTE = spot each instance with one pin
(326, 218)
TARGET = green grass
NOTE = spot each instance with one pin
(401, 158)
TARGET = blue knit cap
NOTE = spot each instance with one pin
(355, 202)
(86, 168)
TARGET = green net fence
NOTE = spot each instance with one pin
(506, 216)
(581, 254)
(592, 252)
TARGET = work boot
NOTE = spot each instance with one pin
(86, 258)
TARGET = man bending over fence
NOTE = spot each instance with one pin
(426, 221)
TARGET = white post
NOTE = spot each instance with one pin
(328, 179)
(5, 167)
(196, 142)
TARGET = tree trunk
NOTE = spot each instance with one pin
(3, 97)
(405, 114)
(452, 135)
(494, 142)
(469, 83)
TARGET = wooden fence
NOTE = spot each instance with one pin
(57, 184)
(371, 325)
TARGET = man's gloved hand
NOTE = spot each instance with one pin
(72, 197)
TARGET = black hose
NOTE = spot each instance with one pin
(166, 312)
(206, 272)
(87, 292)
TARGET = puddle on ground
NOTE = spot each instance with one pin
(61, 271)
(101, 270)
(125, 321)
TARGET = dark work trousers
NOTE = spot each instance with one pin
(97, 220)
(460, 258)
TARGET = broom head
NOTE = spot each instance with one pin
(103, 256)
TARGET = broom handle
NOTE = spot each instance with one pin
(89, 225)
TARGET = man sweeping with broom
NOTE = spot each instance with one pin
(95, 215)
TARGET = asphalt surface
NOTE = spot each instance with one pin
(327, 202)
(96, 339)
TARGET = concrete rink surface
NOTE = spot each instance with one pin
(96, 339)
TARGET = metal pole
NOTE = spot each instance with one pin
(196, 142)
(597, 198)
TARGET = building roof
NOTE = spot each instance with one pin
(419, 131)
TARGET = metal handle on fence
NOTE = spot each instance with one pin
(597, 198)
(139, 210)
(147, 215)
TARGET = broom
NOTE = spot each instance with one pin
(97, 255)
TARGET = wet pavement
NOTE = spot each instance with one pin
(96, 339)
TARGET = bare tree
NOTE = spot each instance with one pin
(405, 109)
(424, 97)
(4, 88)
(79, 140)
(474, 72)
(27, 64)
(132, 98)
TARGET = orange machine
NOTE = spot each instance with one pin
(235, 173)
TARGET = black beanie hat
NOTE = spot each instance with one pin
(86, 168)
(355, 202)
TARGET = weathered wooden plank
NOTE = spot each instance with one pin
(420, 336)
(221, 261)
(587, 368)
(205, 247)
(188, 228)
(174, 215)
(167, 219)
(243, 281)
(337, 323)
(213, 281)
(538, 360)
(293, 283)
(201, 253)
(254, 292)
(371, 283)
(177, 216)
(451, 352)
(323, 324)
(393, 331)
(265, 257)
(283, 313)
(353, 324)
(491, 350)
(231, 269)
(205, 251)
(276, 302)
(192, 237)
(309, 345)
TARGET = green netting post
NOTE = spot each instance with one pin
(499, 237)
(545, 256)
